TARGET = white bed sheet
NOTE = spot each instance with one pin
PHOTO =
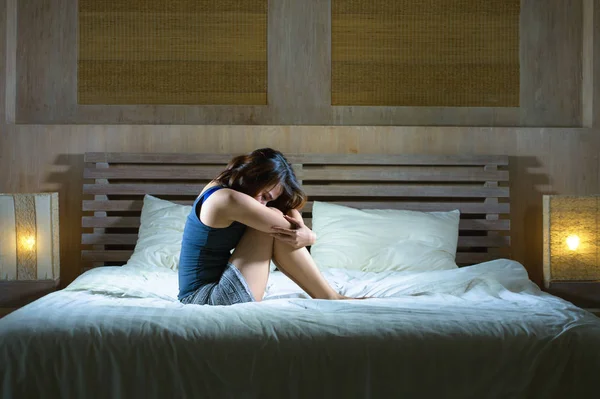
(483, 331)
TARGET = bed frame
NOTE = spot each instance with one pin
(477, 185)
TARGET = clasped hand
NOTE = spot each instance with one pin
(298, 236)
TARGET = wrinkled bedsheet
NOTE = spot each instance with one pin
(483, 331)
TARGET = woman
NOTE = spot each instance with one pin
(251, 206)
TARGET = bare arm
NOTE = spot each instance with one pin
(296, 215)
(242, 208)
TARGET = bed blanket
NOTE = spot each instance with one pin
(483, 331)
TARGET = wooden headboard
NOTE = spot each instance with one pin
(476, 185)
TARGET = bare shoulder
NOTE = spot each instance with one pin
(221, 197)
(209, 185)
(225, 194)
(216, 209)
(227, 202)
(230, 197)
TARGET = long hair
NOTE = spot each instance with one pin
(264, 169)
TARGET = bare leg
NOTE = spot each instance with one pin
(299, 266)
(251, 257)
(256, 249)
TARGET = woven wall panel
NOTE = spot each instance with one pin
(172, 52)
(425, 53)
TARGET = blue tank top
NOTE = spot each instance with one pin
(205, 250)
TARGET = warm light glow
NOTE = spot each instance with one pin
(28, 243)
(573, 242)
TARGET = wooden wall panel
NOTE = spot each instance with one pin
(595, 53)
(299, 79)
(299, 62)
(426, 116)
(3, 64)
(587, 64)
(9, 67)
(591, 63)
(47, 61)
(551, 64)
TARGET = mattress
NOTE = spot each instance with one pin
(483, 331)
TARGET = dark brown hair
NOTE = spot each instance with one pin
(264, 169)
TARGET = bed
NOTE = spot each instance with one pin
(481, 330)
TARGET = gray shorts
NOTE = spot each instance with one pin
(231, 288)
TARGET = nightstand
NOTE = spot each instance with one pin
(585, 294)
(594, 311)
(18, 293)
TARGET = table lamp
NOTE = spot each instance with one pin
(29, 243)
(572, 247)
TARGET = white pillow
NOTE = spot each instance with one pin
(384, 239)
(161, 230)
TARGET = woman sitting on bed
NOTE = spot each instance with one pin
(251, 206)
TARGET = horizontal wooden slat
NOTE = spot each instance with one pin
(157, 158)
(121, 205)
(399, 173)
(466, 258)
(405, 191)
(484, 241)
(110, 221)
(311, 190)
(108, 239)
(484, 225)
(404, 159)
(141, 189)
(114, 205)
(332, 159)
(131, 239)
(155, 172)
(435, 174)
(106, 256)
(465, 207)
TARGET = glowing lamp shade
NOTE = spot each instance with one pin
(571, 238)
(29, 244)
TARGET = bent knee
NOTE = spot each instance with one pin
(255, 233)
